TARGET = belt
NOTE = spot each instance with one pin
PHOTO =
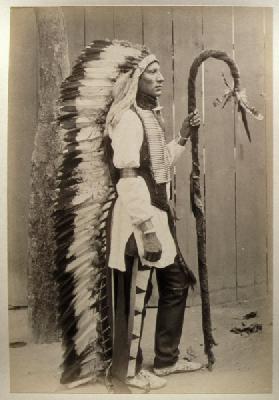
(128, 172)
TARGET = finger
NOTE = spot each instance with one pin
(149, 257)
(189, 116)
(195, 121)
(158, 255)
(152, 257)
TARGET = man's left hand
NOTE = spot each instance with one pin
(193, 119)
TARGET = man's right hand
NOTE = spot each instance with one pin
(152, 247)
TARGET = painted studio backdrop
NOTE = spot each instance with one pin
(236, 174)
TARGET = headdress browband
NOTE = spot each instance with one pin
(143, 64)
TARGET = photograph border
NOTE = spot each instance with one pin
(4, 349)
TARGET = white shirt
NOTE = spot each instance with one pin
(133, 205)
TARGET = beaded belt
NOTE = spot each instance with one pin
(128, 172)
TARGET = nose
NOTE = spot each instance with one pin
(160, 77)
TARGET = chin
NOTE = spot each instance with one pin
(158, 92)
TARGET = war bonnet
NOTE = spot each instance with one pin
(102, 85)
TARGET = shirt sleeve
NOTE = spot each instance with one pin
(174, 151)
(134, 195)
(126, 140)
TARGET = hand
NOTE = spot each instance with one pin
(193, 119)
(152, 247)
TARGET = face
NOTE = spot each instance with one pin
(151, 80)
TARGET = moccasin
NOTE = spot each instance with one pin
(146, 380)
(178, 367)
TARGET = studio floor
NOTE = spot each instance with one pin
(243, 360)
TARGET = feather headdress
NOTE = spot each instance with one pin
(103, 84)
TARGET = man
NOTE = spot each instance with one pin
(142, 234)
(118, 217)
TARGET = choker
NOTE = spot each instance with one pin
(146, 102)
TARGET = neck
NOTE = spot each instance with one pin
(146, 101)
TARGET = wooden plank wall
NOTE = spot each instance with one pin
(187, 45)
(251, 160)
(219, 160)
(268, 128)
(235, 174)
(22, 121)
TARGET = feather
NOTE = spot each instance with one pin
(242, 110)
(243, 102)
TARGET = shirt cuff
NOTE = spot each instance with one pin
(175, 150)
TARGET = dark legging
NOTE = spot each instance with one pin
(173, 288)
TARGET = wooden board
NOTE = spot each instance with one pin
(22, 121)
(187, 45)
(157, 33)
(268, 131)
(219, 159)
(99, 23)
(74, 21)
(128, 24)
(251, 158)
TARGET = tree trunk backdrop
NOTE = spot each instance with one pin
(53, 63)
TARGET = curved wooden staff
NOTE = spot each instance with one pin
(196, 201)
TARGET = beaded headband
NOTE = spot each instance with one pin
(143, 64)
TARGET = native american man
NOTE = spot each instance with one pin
(113, 221)
(142, 227)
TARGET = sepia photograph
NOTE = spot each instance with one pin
(140, 199)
